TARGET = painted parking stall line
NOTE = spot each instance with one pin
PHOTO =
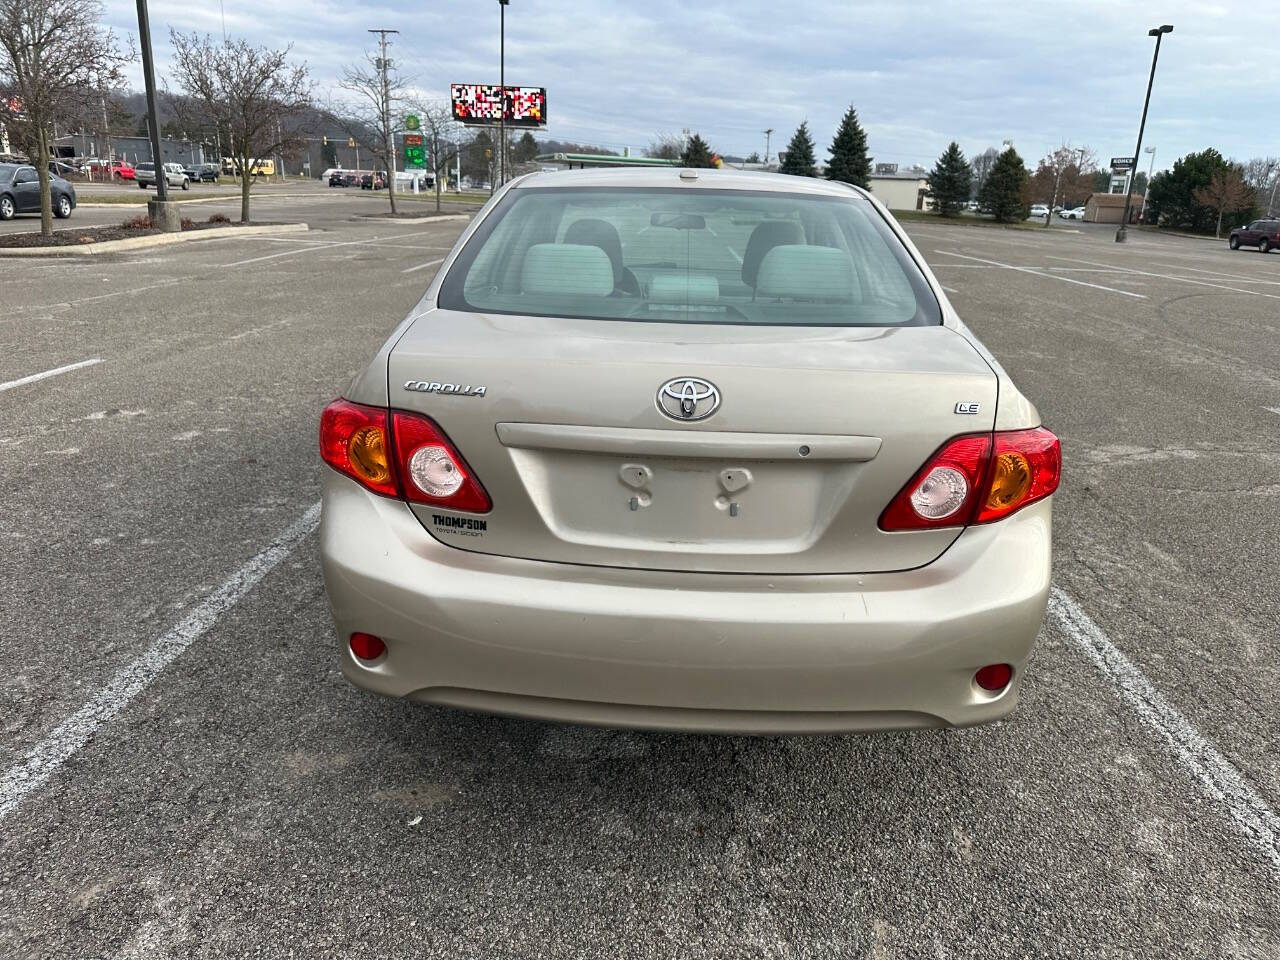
(1216, 774)
(56, 371)
(1041, 273)
(44, 759)
(1170, 276)
(423, 266)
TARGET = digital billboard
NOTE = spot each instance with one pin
(478, 103)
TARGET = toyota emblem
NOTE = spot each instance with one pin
(688, 398)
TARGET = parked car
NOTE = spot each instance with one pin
(338, 178)
(1075, 213)
(783, 491)
(373, 181)
(1263, 234)
(20, 192)
(1039, 210)
(207, 173)
(175, 176)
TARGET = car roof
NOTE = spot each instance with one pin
(671, 177)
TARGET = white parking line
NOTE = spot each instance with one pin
(1275, 410)
(1170, 276)
(313, 249)
(48, 373)
(423, 266)
(1220, 779)
(43, 760)
(1041, 273)
(948, 289)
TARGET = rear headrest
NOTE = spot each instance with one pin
(764, 238)
(801, 272)
(567, 269)
(684, 288)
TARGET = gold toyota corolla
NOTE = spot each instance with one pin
(689, 450)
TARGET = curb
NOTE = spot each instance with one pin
(153, 240)
(433, 219)
(144, 199)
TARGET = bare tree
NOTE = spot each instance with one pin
(253, 93)
(443, 136)
(1064, 174)
(1226, 193)
(1263, 174)
(54, 57)
(668, 146)
(376, 88)
(981, 165)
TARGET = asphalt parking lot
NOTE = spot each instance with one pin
(186, 774)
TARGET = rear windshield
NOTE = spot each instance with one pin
(684, 255)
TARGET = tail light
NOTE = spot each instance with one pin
(399, 454)
(978, 478)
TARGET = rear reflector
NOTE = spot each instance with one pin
(366, 646)
(994, 677)
(978, 478)
(408, 457)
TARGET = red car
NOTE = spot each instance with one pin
(1263, 234)
(115, 168)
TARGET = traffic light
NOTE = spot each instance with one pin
(351, 141)
(324, 141)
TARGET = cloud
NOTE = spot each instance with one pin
(920, 74)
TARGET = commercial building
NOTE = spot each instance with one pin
(901, 189)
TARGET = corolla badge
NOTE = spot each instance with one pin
(688, 398)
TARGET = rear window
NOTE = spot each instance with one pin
(684, 255)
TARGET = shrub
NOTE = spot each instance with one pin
(219, 218)
(187, 223)
(140, 222)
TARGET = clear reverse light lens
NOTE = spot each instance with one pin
(433, 472)
(940, 494)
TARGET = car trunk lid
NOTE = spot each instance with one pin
(817, 429)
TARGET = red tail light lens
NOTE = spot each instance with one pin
(1026, 466)
(399, 454)
(431, 470)
(978, 478)
(354, 440)
(944, 491)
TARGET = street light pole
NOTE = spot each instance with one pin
(1150, 169)
(502, 87)
(149, 81)
(1158, 33)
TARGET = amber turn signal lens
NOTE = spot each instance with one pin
(1010, 481)
(367, 451)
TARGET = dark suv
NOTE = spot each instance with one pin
(1263, 234)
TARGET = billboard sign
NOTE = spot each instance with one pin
(1121, 163)
(479, 104)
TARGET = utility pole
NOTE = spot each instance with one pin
(159, 210)
(767, 134)
(388, 138)
(502, 86)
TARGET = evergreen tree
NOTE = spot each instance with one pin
(849, 160)
(798, 160)
(696, 153)
(949, 182)
(1003, 193)
(524, 149)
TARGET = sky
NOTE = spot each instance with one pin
(920, 74)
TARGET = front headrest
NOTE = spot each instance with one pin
(801, 272)
(567, 270)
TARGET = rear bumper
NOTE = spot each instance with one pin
(681, 651)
